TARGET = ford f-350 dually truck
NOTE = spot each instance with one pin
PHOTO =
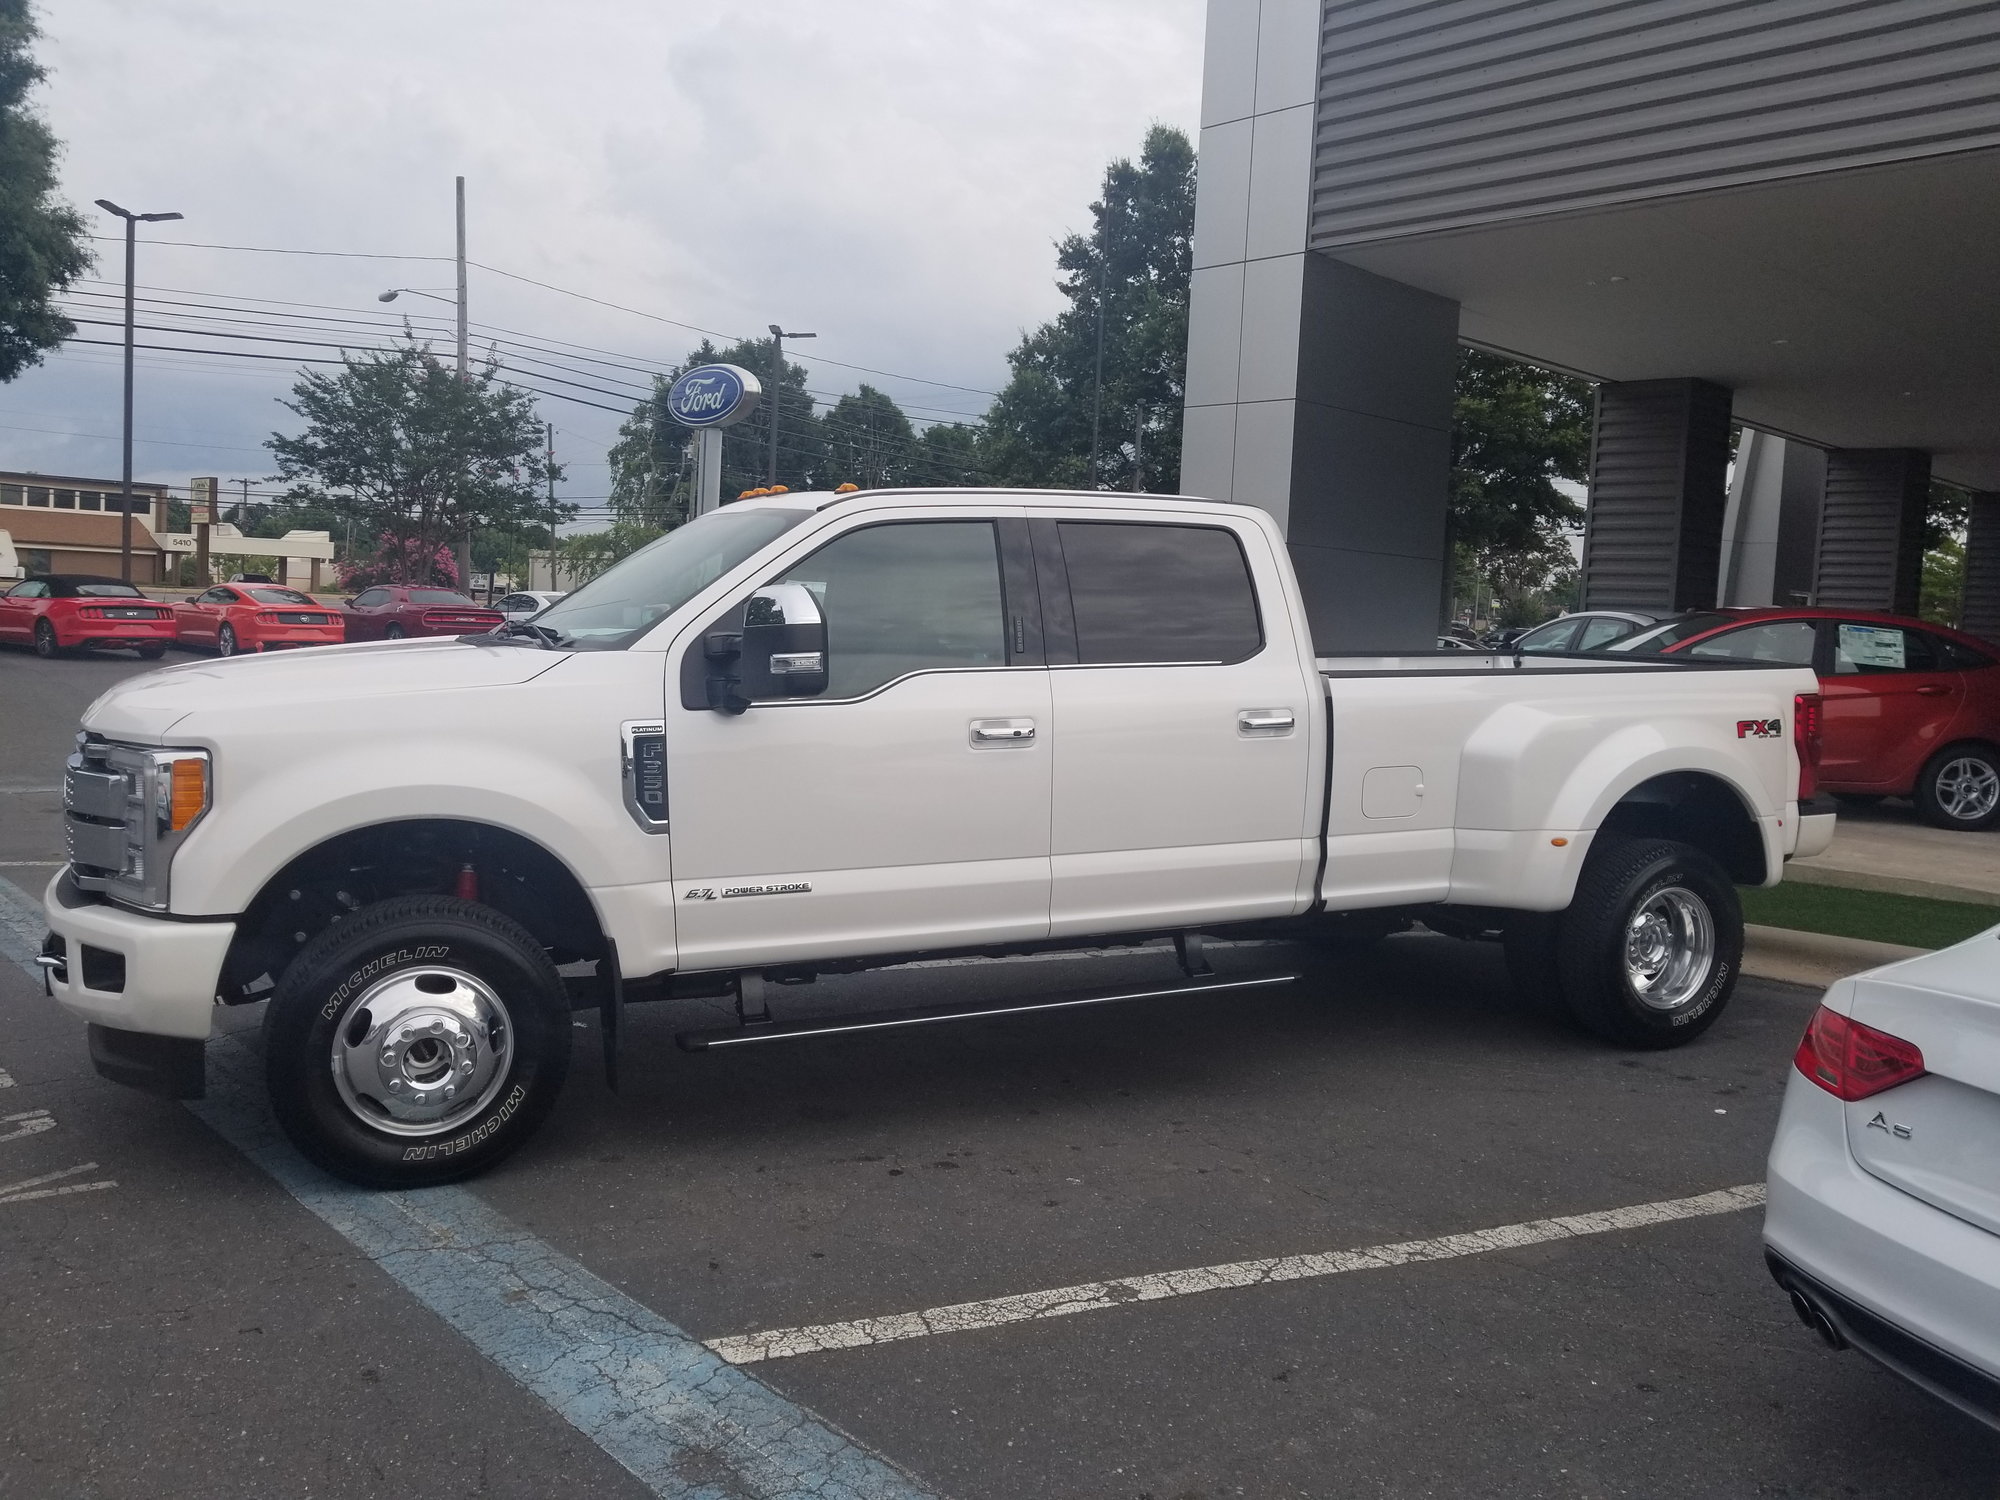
(814, 733)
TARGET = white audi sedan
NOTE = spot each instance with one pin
(1884, 1215)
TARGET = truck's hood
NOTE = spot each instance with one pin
(146, 709)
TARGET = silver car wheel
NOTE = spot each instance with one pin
(422, 1051)
(1669, 948)
(1968, 788)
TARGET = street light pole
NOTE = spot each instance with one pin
(461, 278)
(132, 222)
(778, 337)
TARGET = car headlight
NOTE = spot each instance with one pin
(126, 809)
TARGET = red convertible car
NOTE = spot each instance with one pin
(390, 611)
(233, 617)
(1910, 709)
(57, 612)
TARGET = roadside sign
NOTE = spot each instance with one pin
(713, 396)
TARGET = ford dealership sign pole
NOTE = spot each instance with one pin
(709, 398)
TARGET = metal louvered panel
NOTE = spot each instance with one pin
(1871, 529)
(1980, 610)
(1440, 115)
(1659, 456)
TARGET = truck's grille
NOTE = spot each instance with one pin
(97, 801)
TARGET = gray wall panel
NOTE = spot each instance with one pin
(1980, 608)
(1440, 115)
(1871, 529)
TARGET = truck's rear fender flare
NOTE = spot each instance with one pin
(514, 874)
(1698, 807)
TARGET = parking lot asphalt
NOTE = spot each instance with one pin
(195, 1330)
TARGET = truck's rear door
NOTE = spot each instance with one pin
(1185, 717)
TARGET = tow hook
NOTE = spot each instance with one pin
(54, 963)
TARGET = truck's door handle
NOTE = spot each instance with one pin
(1003, 731)
(1272, 721)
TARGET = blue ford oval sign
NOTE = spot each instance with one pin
(713, 396)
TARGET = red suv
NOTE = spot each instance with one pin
(57, 612)
(389, 612)
(1911, 709)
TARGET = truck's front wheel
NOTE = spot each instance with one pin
(1650, 948)
(417, 1042)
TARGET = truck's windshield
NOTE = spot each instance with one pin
(612, 611)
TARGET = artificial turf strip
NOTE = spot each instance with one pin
(1916, 921)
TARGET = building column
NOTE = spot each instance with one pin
(1659, 459)
(1314, 390)
(1770, 530)
(1871, 529)
(1979, 612)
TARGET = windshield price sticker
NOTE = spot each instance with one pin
(1872, 646)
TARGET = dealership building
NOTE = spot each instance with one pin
(53, 523)
(1781, 216)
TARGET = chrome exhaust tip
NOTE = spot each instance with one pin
(1811, 1315)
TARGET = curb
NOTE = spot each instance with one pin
(1815, 959)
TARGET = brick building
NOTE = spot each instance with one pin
(57, 523)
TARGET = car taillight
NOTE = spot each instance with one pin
(1805, 739)
(266, 617)
(1852, 1061)
(89, 613)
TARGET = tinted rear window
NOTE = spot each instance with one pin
(279, 596)
(438, 596)
(104, 591)
(1157, 593)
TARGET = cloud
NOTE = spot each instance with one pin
(889, 173)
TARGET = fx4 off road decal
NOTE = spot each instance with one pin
(1759, 729)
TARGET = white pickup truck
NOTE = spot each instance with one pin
(824, 732)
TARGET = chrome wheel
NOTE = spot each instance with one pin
(1968, 788)
(1669, 948)
(422, 1050)
(225, 642)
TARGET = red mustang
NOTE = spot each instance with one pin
(390, 611)
(1910, 709)
(57, 612)
(233, 617)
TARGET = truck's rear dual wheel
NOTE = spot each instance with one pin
(1648, 952)
(417, 1042)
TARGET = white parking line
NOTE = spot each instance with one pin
(17, 1192)
(28, 1122)
(1094, 1296)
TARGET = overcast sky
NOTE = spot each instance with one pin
(888, 173)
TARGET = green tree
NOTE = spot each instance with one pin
(397, 443)
(42, 244)
(869, 441)
(1134, 266)
(1516, 431)
(949, 455)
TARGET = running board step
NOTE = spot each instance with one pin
(892, 1020)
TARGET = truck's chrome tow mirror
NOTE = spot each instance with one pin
(784, 643)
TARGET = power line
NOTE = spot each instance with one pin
(566, 292)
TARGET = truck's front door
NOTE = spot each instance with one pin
(905, 805)
(1185, 715)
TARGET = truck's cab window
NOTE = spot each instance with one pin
(1145, 592)
(906, 597)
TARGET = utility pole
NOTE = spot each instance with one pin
(1097, 385)
(464, 548)
(551, 466)
(1138, 448)
(778, 337)
(132, 223)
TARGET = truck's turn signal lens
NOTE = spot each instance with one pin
(1852, 1061)
(187, 792)
(1806, 740)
